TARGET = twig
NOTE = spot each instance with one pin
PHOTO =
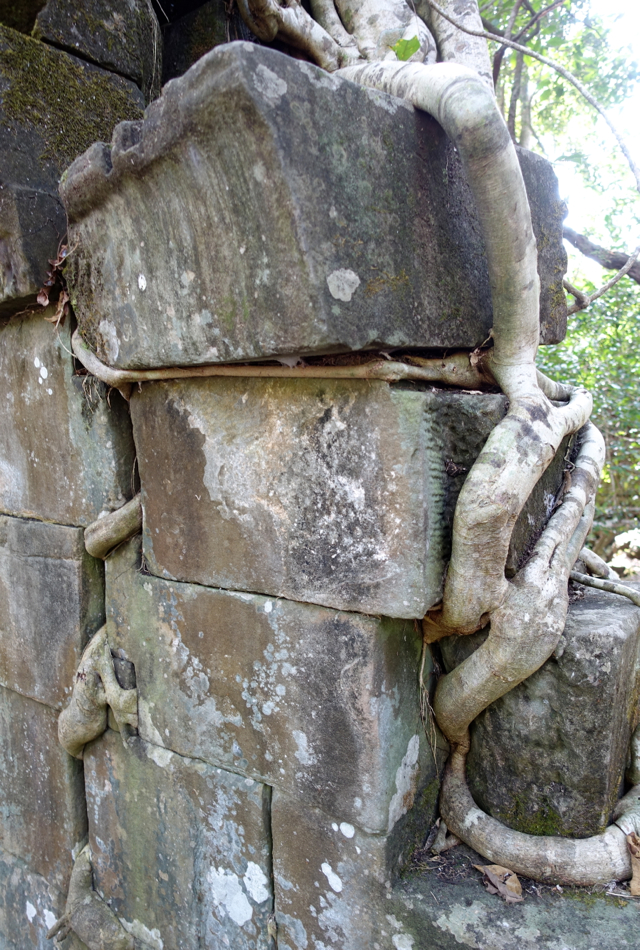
(610, 586)
(605, 287)
(580, 296)
(483, 34)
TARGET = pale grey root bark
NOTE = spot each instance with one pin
(86, 914)
(103, 535)
(455, 46)
(95, 690)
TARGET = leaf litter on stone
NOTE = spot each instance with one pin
(501, 881)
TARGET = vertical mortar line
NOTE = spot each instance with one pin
(268, 800)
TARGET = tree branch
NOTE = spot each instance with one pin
(580, 305)
(562, 72)
(610, 260)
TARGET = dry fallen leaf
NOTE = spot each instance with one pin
(502, 881)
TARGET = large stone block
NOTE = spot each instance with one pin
(52, 107)
(29, 907)
(43, 816)
(121, 37)
(337, 492)
(51, 602)
(321, 703)
(331, 881)
(66, 451)
(180, 850)
(265, 208)
(550, 756)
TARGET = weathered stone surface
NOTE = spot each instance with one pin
(42, 129)
(330, 491)
(330, 880)
(29, 907)
(549, 757)
(191, 36)
(322, 703)
(427, 912)
(66, 451)
(42, 809)
(51, 602)
(180, 850)
(361, 231)
(121, 37)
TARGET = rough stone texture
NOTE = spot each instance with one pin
(299, 213)
(42, 809)
(330, 880)
(123, 37)
(180, 850)
(193, 35)
(335, 492)
(549, 757)
(321, 703)
(450, 910)
(42, 129)
(29, 906)
(66, 451)
(51, 602)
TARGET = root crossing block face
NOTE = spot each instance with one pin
(180, 849)
(66, 451)
(321, 703)
(577, 714)
(51, 602)
(333, 492)
(42, 808)
(265, 208)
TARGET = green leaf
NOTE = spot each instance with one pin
(404, 49)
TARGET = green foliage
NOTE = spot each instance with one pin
(602, 353)
(404, 49)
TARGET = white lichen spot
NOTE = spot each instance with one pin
(110, 339)
(260, 174)
(229, 897)
(268, 607)
(256, 883)
(303, 754)
(30, 911)
(347, 830)
(334, 881)
(402, 941)
(137, 929)
(49, 919)
(472, 817)
(405, 782)
(343, 284)
(36, 363)
(142, 282)
(159, 755)
(44, 372)
(269, 84)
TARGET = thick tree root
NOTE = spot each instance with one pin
(86, 914)
(95, 689)
(581, 861)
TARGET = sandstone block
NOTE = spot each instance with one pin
(66, 451)
(195, 34)
(180, 850)
(361, 231)
(43, 816)
(336, 492)
(121, 37)
(29, 907)
(42, 129)
(550, 756)
(51, 602)
(331, 881)
(321, 703)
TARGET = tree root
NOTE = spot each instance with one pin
(103, 535)
(86, 914)
(95, 689)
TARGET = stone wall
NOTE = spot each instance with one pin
(276, 776)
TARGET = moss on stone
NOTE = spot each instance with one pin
(544, 821)
(69, 105)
